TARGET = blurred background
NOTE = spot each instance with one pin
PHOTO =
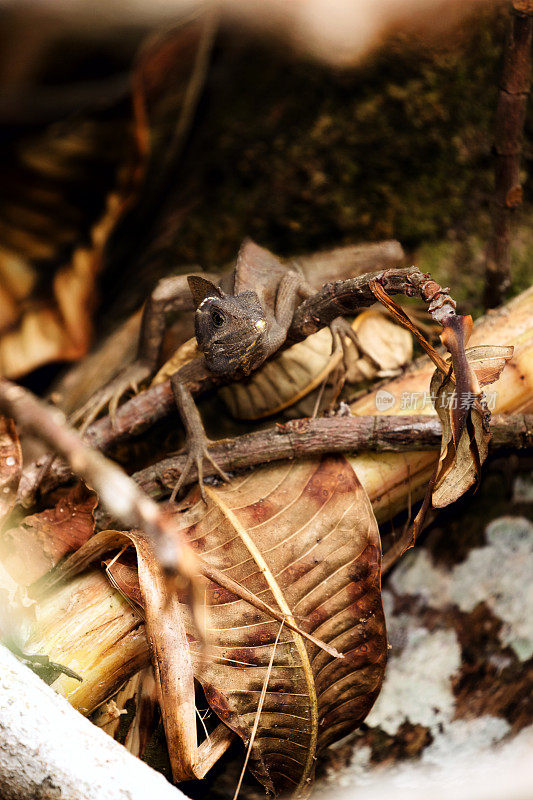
(140, 138)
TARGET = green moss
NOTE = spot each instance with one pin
(301, 157)
(459, 262)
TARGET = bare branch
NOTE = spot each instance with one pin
(509, 129)
(305, 437)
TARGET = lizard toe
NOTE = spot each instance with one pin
(225, 477)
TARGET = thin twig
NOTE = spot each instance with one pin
(222, 579)
(509, 130)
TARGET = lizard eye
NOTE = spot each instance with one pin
(217, 318)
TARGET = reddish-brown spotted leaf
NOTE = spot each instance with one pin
(41, 540)
(302, 536)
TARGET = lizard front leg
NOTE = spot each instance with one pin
(293, 286)
(197, 443)
(170, 295)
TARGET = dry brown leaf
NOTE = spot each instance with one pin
(122, 573)
(386, 346)
(165, 629)
(464, 419)
(302, 535)
(41, 540)
(283, 380)
(185, 353)
(60, 328)
(488, 361)
(65, 173)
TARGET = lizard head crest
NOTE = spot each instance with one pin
(230, 329)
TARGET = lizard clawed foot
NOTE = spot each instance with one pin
(340, 331)
(197, 450)
(110, 395)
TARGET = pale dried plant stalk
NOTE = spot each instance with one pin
(89, 627)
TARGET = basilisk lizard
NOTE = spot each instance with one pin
(240, 320)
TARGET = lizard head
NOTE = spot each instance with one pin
(230, 329)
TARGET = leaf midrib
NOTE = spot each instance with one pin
(285, 609)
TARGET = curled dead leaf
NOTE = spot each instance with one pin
(283, 380)
(185, 353)
(385, 346)
(464, 418)
(78, 179)
(455, 336)
(488, 361)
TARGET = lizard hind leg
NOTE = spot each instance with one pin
(341, 331)
(343, 337)
(111, 394)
